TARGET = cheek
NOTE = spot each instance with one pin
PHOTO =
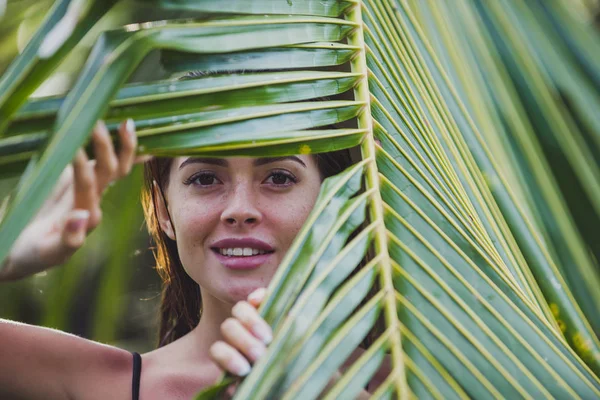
(195, 220)
(289, 214)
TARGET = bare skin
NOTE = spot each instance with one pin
(267, 202)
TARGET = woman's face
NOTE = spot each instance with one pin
(235, 218)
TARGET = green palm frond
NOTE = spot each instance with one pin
(476, 201)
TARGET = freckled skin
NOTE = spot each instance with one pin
(241, 201)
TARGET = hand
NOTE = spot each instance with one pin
(73, 208)
(245, 334)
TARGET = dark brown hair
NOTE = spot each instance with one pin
(181, 302)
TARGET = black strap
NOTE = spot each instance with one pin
(137, 372)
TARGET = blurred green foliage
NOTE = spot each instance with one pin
(109, 291)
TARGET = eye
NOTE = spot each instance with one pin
(203, 179)
(281, 178)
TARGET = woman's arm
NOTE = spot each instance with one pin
(42, 363)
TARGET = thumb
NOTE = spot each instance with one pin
(40, 250)
(75, 229)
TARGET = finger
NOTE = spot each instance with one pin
(255, 298)
(85, 193)
(106, 160)
(241, 339)
(249, 317)
(128, 141)
(229, 359)
(75, 228)
(142, 158)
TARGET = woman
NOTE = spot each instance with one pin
(222, 226)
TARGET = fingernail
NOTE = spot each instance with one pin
(263, 332)
(257, 295)
(130, 126)
(99, 125)
(78, 220)
(240, 368)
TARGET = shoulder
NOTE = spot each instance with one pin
(101, 372)
(167, 373)
(61, 364)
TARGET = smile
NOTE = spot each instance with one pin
(240, 261)
(241, 252)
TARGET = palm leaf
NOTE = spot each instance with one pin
(67, 22)
(475, 198)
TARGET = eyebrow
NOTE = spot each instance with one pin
(198, 160)
(267, 160)
(223, 162)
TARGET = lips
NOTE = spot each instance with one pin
(245, 253)
(242, 243)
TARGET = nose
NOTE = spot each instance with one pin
(241, 208)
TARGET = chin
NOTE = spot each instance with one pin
(238, 291)
(232, 296)
(231, 286)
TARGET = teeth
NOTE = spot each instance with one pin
(241, 252)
